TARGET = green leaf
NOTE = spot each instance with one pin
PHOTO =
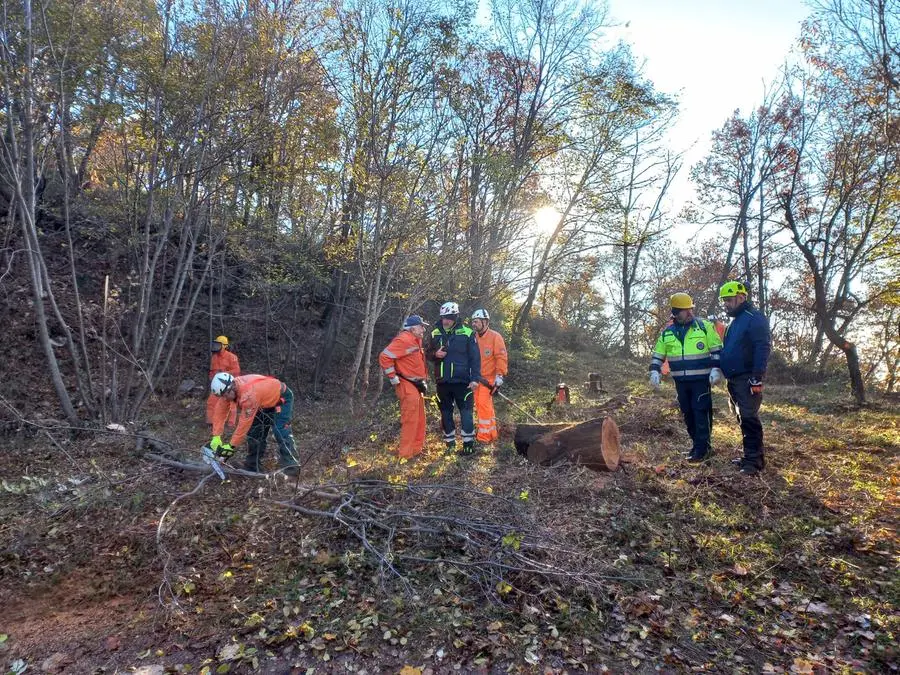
(512, 540)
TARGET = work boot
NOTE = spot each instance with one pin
(748, 469)
(291, 470)
(468, 448)
(697, 458)
(451, 446)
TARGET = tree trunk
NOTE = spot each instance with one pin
(595, 443)
(761, 300)
(25, 189)
(857, 386)
(626, 301)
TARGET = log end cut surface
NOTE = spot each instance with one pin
(596, 444)
(611, 444)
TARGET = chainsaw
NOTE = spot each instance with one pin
(210, 458)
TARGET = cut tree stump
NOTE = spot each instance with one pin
(594, 444)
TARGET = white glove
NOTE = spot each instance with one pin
(715, 376)
(394, 380)
(498, 381)
(654, 379)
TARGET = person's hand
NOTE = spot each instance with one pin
(394, 380)
(225, 451)
(216, 441)
(498, 381)
(440, 353)
(654, 379)
(473, 386)
(715, 376)
(756, 386)
(421, 385)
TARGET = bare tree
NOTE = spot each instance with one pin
(732, 178)
(25, 142)
(838, 209)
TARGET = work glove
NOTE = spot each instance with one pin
(394, 380)
(225, 451)
(715, 376)
(421, 385)
(498, 381)
(756, 386)
(473, 386)
(216, 441)
(654, 379)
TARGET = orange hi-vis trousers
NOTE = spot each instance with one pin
(412, 420)
(486, 421)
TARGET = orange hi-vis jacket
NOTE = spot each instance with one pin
(254, 392)
(494, 359)
(404, 356)
(221, 361)
(224, 361)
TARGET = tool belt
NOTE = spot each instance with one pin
(419, 384)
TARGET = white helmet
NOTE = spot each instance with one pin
(221, 383)
(449, 308)
(481, 314)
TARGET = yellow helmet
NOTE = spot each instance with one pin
(222, 340)
(732, 288)
(682, 301)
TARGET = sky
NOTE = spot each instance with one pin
(718, 55)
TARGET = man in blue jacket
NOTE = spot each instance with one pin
(457, 372)
(743, 360)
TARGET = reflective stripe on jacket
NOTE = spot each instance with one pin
(462, 364)
(403, 356)
(494, 359)
(254, 392)
(690, 359)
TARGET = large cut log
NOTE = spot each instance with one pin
(595, 443)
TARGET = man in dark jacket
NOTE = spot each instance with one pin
(457, 372)
(743, 360)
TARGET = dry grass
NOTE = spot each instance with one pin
(482, 562)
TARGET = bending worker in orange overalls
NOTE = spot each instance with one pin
(403, 363)
(494, 366)
(263, 403)
(223, 360)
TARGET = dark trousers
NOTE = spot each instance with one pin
(695, 401)
(448, 394)
(278, 420)
(746, 407)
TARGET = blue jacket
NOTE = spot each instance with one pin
(462, 364)
(747, 344)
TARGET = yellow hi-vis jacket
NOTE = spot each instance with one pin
(692, 350)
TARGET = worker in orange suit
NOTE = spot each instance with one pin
(494, 366)
(719, 325)
(223, 360)
(403, 363)
(264, 403)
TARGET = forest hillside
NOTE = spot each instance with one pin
(298, 184)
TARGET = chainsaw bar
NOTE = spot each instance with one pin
(210, 458)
